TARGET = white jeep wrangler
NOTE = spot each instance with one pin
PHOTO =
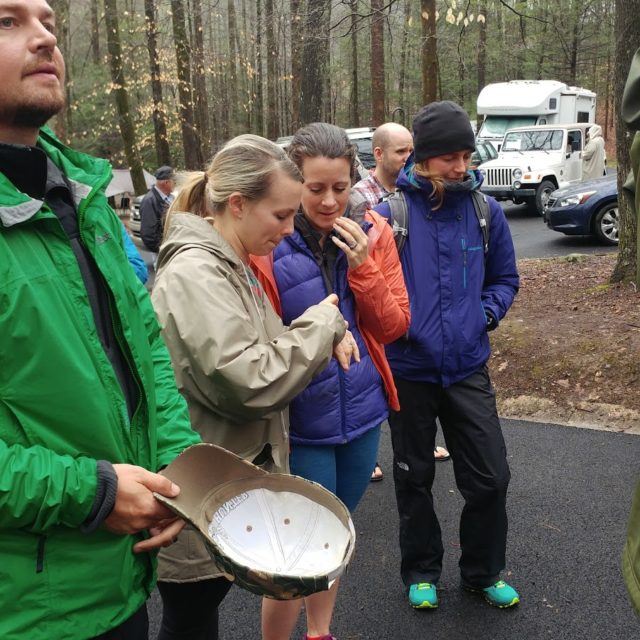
(533, 162)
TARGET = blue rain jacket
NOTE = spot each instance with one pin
(453, 286)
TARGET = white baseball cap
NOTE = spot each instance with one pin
(274, 534)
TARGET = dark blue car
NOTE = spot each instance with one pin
(588, 208)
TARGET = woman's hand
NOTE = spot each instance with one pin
(332, 299)
(354, 241)
(345, 350)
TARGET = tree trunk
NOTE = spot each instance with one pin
(462, 73)
(283, 65)
(223, 80)
(462, 68)
(607, 93)
(200, 101)
(501, 70)
(213, 85)
(403, 61)
(95, 32)
(190, 141)
(297, 32)
(272, 96)
(118, 79)
(244, 43)
(63, 121)
(354, 99)
(544, 44)
(573, 59)
(627, 37)
(429, 52)
(259, 77)
(163, 152)
(325, 53)
(232, 70)
(314, 63)
(521, 7)
(377, 63)
(482, 45)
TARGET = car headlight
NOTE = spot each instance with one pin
(572, 201)
(517, 174)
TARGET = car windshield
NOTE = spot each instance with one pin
(483, 153)
(547, 140)
(497, 126)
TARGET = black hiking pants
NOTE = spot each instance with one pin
(469, 420)
(190, 609)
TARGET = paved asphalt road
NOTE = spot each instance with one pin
(533, 239)
(568, 506)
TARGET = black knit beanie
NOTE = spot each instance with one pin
(441, 128)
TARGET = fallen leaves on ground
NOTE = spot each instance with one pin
(569, 348)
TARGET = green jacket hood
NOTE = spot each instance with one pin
(86, 175)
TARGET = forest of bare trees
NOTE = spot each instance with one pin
(160, 81)
(154, 82)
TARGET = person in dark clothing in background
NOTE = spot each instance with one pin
(153, 208)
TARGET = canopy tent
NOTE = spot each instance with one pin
(122, 183)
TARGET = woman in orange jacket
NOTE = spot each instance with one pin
(335, 421)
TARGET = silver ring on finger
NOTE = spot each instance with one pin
(353, 245)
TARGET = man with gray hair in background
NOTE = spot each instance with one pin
(153, 208)
(392, 144)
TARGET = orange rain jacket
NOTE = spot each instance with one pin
(382, 303)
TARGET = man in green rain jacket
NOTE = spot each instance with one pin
(631, 115)
(89, 410)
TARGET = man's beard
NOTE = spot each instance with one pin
(34, 116)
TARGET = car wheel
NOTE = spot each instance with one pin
(543, 192)
(605, 224)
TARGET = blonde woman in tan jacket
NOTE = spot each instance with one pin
(235, 363)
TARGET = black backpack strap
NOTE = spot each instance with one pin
(483, 213)
(398, 218)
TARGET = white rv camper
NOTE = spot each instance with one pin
(525, 103)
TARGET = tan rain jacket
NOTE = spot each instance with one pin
(235, 363)
(594, 155)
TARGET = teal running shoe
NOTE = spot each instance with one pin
(422, 595)
(499, 594)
